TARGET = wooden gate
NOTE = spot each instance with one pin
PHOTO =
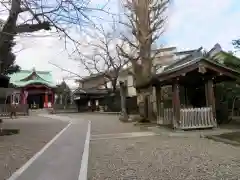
(197, 118)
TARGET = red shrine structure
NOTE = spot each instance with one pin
(35, 88)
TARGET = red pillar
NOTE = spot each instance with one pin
(22, 97)
(52, 97)
(46, 100)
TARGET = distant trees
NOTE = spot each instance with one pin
(63, 94)
(8, 66)
(236, 43)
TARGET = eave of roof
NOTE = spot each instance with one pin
(21, 80)
(191, 56)
(90, 91)
(185, 52)
(26, 83)
(188, 65)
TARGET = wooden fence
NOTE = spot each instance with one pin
(197, 118)
(21, 110)
(191, 118)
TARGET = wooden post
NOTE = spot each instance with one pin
(160, 107)
(123, 115)
(46, 100)
(53, 97)
(211, 97)
(21, 97)
(206, 94)
(186, 101)
(176, 105)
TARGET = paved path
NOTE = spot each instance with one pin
(61, 158)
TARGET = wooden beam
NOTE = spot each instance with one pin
(160, 105)
(211, 96)
(223, 71)
(207, 94)
(202, 69)
(176, 104)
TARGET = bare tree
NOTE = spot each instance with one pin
(145, 20)
(72, 74)
(27, 16)
(102, 57)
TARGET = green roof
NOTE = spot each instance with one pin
(23, 78)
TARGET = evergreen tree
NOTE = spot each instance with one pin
(236, 43)
(8, 65)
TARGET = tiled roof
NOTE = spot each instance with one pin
(42, 77)
(193, 55)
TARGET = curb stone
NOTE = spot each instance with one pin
(198, 134)
(227, 141)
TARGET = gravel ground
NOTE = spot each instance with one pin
(15, 150)
(163, 158)
(106, 123)
(156, 157)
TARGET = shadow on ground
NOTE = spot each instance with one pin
(9, 132)
(232, 138)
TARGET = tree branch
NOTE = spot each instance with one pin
(66, 70)
(32, 27)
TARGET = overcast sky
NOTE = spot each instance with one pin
(192, 23)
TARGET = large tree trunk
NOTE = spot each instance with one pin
(143, 99)
(123, 116)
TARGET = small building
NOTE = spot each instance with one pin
(95, 93)
(92, 99)
(165, 58)
(35, 88)
(185, 92)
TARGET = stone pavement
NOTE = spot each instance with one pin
(61, 158)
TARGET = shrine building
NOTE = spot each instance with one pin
(35, 88)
